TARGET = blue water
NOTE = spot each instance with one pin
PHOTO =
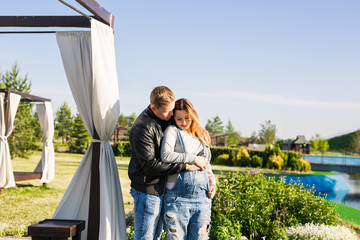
(344, 188)
(338, 160)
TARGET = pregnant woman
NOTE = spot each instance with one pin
(188, 194)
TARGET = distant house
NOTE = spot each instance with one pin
(120, 134)
(300, 144)
(218, 139)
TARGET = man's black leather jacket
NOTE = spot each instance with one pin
(146, 170)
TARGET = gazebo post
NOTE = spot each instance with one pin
(7, 108)
(94, 201)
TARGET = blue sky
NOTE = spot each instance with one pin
(295, 63)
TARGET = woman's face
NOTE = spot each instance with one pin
(182, 119)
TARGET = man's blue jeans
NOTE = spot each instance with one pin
(187, 207)
(148, 221)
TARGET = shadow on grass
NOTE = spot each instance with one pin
(122, 166)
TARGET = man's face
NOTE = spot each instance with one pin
(165, 112)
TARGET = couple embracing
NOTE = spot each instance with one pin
(171, 179)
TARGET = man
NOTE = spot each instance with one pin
(146, 170)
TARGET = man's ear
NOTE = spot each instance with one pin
(152, 107)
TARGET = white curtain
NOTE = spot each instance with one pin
(47, 162)
(6, 171)
(89, 62)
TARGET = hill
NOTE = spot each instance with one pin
(346, 142)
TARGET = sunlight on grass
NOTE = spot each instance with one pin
(30, 202)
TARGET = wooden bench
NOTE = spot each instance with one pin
(25, 176)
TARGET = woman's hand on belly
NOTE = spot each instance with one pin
(201, 162)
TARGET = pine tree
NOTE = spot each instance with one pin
(215, 126)
(22, 140)
(79, 137)
(233, 138)
(63, 121)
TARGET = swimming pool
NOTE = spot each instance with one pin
(337, 160)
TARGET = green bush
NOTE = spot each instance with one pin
(221, 159)
(268, 152)
(242, 158)
(305, 165)
(256, 161)
(259, 207)
(217, 151)
(293, 161)
(245, 158)
(275, 162)
(122, 149)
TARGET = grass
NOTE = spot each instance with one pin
(30, 201)
(348, 214)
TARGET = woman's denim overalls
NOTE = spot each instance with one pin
(187, 206)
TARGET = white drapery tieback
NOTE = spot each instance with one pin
(100, 141)
(4, 139)
(47, 143)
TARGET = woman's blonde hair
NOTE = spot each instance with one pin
(196, 129)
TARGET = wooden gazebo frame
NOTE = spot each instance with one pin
(82, 21)
(25, 97)
(61, 21)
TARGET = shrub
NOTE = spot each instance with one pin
(217, 151)
(232, 157)
(122, 149)
(270, 151)
(275, 162)
(305, 165)
(258, 206)
(320, 231)
(256, 161)
(242, 158)
(221, 159)
(294, 164)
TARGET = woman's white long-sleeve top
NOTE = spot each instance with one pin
(172, 151)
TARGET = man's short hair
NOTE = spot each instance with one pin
(161, 96)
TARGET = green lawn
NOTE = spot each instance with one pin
(30, 202)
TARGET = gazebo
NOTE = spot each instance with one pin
(94, 193)
(300, 144)
(9, 102)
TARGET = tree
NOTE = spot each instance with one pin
(63, 121)
(355, 141)
(122, 120)
(132, 119)
(254, 137)
(267, 133)
(35, 123)
(79, 137)
(22, 139)
(319, 143)
(215, 126)
(233, 138)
